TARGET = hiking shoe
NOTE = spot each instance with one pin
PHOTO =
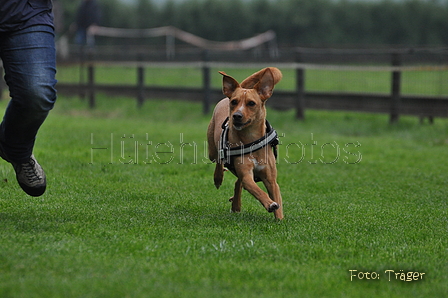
(30, 175)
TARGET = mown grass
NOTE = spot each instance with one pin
(116, 223)
(424, 82)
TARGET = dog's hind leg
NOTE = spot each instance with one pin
(236, 199)
(218, 176)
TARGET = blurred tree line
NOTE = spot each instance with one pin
(296, 22)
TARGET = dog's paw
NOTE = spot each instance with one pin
(274, 206)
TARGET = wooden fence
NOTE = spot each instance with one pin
(394, 104)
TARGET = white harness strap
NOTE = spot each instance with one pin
(225, 153)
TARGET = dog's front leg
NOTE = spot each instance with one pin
(276, 196)
(252, 187)
(236, 199)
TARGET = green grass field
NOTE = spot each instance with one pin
(131, 210)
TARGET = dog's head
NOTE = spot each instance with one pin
(247, 101)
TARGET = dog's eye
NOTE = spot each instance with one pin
(234, 102)
(251, 103)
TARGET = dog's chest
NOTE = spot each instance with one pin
(257, 166)
(248, 163)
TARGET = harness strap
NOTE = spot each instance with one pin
(226, 153)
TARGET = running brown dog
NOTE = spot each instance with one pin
(240, 138)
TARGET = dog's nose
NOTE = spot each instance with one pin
(237, 116)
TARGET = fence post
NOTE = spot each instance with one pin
(1, 82)
(206, 82)
(140, 86)
(82, 60)
(91, 85)
(395, 92)
(300, 88)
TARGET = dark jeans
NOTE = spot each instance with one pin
(29, 60)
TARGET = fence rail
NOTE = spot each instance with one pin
(374, 103)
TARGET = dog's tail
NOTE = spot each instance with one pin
(252, 80)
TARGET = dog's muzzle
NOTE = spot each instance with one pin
(237, 116)
(237, 120)
(239, 126)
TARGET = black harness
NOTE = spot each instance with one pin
(227, 154)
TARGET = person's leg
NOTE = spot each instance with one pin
(29, 60)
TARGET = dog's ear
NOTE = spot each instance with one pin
(229, 84)
(265, 85)
(252, 80)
